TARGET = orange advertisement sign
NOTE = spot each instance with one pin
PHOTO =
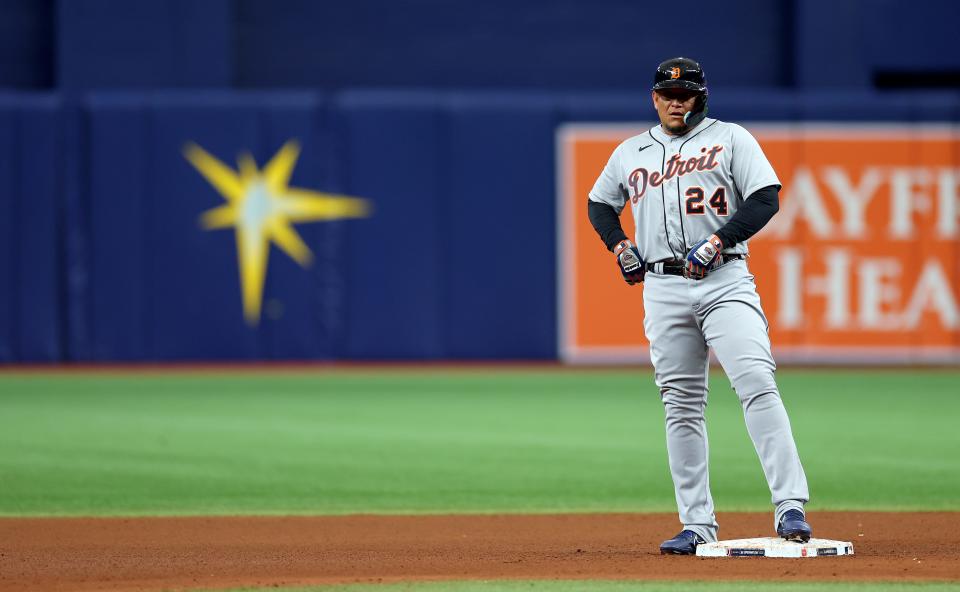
(861, 264)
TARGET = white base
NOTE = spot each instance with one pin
(774, 547)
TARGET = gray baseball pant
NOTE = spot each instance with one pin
(682, 319)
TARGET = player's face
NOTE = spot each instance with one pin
(671, 105)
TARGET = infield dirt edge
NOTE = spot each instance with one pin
(227, 552)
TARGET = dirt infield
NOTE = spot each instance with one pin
(162, 553)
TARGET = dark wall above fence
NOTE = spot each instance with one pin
(27, 44)
(606, 45)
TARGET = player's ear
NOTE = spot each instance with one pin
(653, 97)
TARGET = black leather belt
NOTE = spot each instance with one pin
(675, 266)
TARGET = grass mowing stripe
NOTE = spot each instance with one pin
(625, 586)
(402, 441)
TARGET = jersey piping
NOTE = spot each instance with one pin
(663, 198)
(679, 208)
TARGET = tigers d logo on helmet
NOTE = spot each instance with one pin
(680, 73)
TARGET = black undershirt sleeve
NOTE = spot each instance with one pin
(752, 215)
(606, 222)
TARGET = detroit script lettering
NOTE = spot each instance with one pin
(675, 167)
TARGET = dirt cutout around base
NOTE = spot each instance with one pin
(218, 552)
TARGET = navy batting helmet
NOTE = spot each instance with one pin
(680, 73)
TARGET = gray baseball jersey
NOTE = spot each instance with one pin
(682, 189)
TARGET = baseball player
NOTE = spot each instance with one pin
(698, 188)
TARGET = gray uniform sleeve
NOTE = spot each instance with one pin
(749, 165)
(607, 188)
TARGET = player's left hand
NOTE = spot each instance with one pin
(702, 257)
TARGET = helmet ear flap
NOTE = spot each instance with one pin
(699, 111)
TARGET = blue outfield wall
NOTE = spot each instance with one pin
(104, 257)
(31, 229)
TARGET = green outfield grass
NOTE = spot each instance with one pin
(623, 586)
(450, 441)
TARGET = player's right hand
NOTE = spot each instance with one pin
(631, 265)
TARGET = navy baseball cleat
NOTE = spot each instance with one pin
(793, 527)
(684, 543)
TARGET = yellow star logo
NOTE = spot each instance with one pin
(263, 208)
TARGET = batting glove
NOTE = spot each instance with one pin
(631, 265)
(702, 257)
